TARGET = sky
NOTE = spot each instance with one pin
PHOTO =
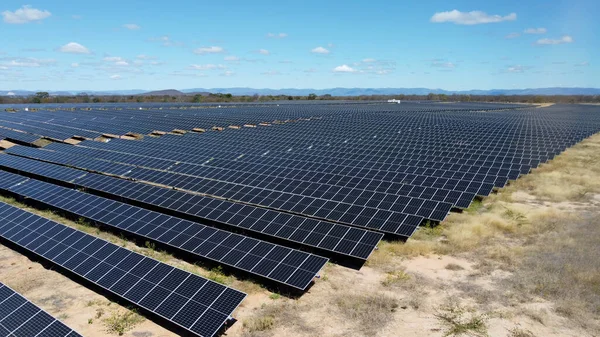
(452, 45)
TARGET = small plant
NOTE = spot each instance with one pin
(475, 206)
(120, 321)
(274, 296)
(395, 277)
(515, 216)
(454, 266)
(150, 245)
(259, 324)
(518, 332)
(217, 275)
(62, 317)
(99, 313)
(459, 321)
(91, 321)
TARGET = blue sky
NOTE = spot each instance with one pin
(454, 45)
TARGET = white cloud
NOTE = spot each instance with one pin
(582, 64)
(277, 36)
(207, 66)
(383, 72)
(209, 50)
(540, 30)
(113, 59)
(564, 39)
(26, 62)
(166, 41)
(442, 64)
(145, 57)
(231, 58)
(344, 69)
(228, 73)
(517, 69)
(115, 77)
(131, 26)
(263, 52)
(512, 35)
(121, 63)
(369, 60)
(271, 73)
(320, 50)
(25, 14)
(75, 65)
(470, 18)
(310, 70)
(74, 48)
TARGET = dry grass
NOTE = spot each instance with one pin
(458, 320)
(564, 268)
(369, 311)
(454, 267)
(278, 314)
(120, 321)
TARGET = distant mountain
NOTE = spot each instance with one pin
(168, 92)
(397, 91)
(332, 91)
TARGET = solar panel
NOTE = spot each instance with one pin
(21, 318)
(327, 238)
(281, 265)
(193, 303)
(18, 137)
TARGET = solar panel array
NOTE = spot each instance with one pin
(327, 238)
(280, 264)
(21, 318)
(327, 178)
(194, 303)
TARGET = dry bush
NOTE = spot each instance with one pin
(122, 320)
(458, 320)
(395, 277)
(454, 267)
(518, 332)
(370, 311)
(283, 313)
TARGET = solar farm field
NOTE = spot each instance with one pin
(297, 201)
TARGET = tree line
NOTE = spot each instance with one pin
(45, 97)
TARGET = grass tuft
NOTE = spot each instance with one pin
(370, 311)
(120, 321)
(459, 321)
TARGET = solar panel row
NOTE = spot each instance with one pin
(279, 264)
(327, 238)
(189, 301)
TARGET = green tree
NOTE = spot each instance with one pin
(42, 95)
(312, 96)
(96, 100)
(197, 99)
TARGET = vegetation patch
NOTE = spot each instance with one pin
(460, 321)
(122, 320)
(370, 311)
